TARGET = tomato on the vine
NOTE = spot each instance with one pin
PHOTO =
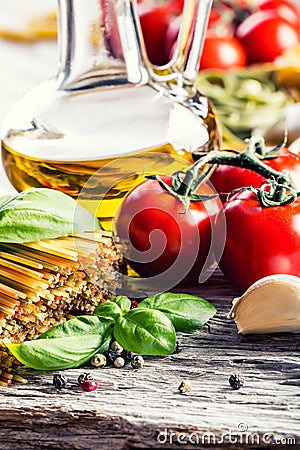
(226, 179)
(260, 241)
(165, 238)
(265, 35)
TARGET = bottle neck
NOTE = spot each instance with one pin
(98, 44)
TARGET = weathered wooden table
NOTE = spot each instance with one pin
(141, 409)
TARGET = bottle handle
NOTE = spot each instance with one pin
(192, 32)
(184, 64)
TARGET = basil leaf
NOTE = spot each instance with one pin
(3, 200)
(109, 310)
(79, 326)
(123, 302)
(57, 353)
(186, 312)
(43, 213)
(106, 342)
(145, 331)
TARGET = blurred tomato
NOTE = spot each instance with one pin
(222, 53)
(265, 36)
(176, 4)
(284, 8)
(154, 23)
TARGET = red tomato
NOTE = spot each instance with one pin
(260, 241)
(166, 240)
(265, 36)
(154, 23)
(222, 53)
(173, 31)
(176, 4)
(284, 8)
(219, 52)
(227, 178)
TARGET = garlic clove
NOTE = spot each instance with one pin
(271, 305)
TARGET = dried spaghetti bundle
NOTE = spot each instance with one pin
(45, 283)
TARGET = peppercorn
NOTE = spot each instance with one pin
(98, 360)
(87, 383)
(110, 356)
(119, 362)
(116, 347)
(134, 304)
(59, 381)
(178, 347)
(127, 356)
(236, 381)
(185, 386)
(84, 377)
(137, 362)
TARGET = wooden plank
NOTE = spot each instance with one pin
(134, 409)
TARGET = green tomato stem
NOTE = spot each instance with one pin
(282, 190)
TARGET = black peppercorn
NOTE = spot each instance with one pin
(110, 356)
(178, 347)
(236, 381)
(127, 355)
(84, 377)
(59, 381)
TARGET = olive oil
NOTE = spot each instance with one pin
(98, 147)
(99, 185)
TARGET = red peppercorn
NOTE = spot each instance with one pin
(89, 385)
(134, 304)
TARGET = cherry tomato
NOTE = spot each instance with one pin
(284, 8)
(167, 240)
(265, 36)
(259, 241)
(173, 31)
(227, 178)
(219, 52)
(222, 53)
(177, 5)
(154, 23)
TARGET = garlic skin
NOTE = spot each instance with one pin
(271, 305)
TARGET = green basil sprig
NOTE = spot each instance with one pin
(41, 213)
(65, 346)
(186, 312)
(149, 329)
(145, 331)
